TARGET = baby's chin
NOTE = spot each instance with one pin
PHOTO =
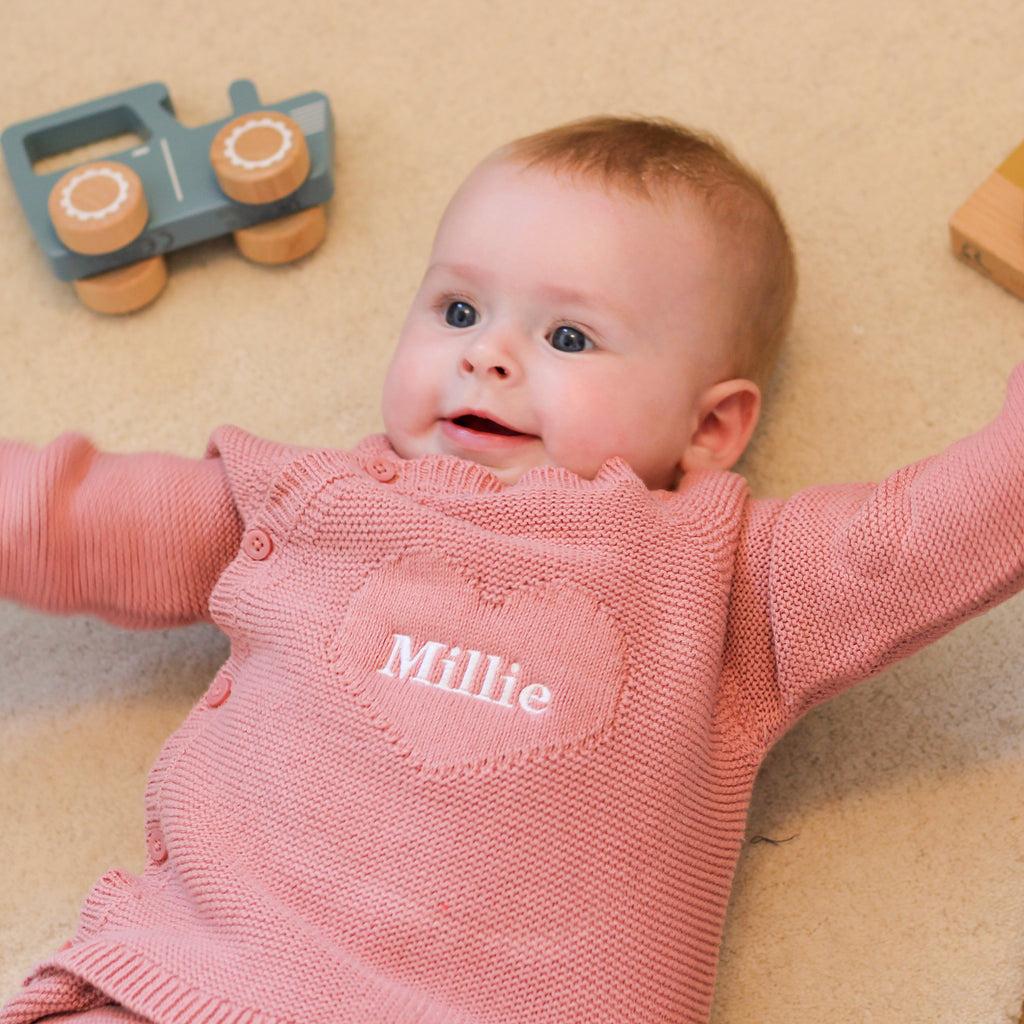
(511, 473)
(507, 470)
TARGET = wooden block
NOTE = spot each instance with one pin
(987, 232)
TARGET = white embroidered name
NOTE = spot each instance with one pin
(467, 672)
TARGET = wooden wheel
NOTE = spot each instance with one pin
(125, 289)
(98, 207)
(285, 239)
(260, 157)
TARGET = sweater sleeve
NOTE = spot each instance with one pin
(854, 578)
(138, 540)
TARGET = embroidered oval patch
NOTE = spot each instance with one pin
(456, 678)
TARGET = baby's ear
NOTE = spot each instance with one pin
(727, 415)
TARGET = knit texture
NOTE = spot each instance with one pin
(479, 754)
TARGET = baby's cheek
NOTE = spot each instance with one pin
(404, 392)
(581, 450)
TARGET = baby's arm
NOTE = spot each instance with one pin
(860, 576)
(139, 540)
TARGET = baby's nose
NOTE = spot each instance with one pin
(489, 357)
(485, 366)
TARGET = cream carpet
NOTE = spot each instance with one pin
(900, 896)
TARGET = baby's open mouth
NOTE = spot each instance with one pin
(483, 425)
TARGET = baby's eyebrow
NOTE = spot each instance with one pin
(552, 291)
(463, 271)
(567, 296)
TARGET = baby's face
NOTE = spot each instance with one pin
(559, 324)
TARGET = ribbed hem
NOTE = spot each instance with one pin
(95, 974)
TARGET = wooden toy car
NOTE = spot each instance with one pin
(263, 174)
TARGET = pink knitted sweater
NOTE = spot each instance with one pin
(479, 755)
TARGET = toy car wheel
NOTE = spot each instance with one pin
(98, 207)
(125, 289)
(285, 239)
(260, 157)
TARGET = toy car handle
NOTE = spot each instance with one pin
(145, 111)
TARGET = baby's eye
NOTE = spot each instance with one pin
(569, 339)
(460, 314)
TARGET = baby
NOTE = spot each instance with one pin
(618, 289)
(501, 679)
